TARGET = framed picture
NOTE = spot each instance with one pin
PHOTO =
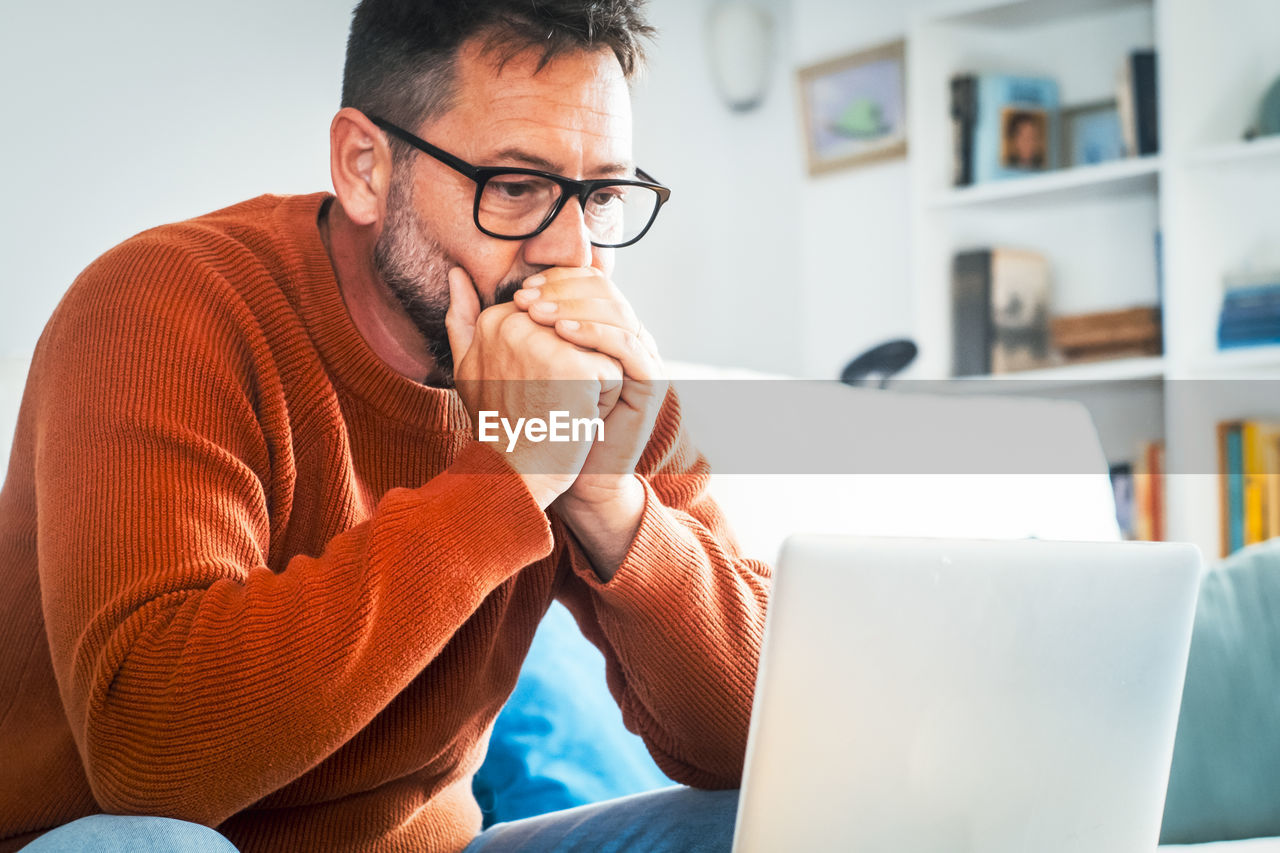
(855, 108)
(1024, 138)
(1091, 134)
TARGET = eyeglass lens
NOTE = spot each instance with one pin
(516, 205)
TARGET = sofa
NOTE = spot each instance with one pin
(987, 467)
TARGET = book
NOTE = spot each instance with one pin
(1148, 492)
(964, 100)
(1261, 444)
(1271, 467)
(1250, 312)
(1238, 312)
(1141, 498)
(1158, 243)
(1224, 490)
(999, 311)
(971, 313)
(1241, 295)
(1249, 482)
(1122, 490)
(1242, 332)
(1107, 334)
(1004, 126)
(1247, 340)
(1247, 332)
(1155, 465)
(1231, 486)
(1019, 311)
(1252, 486)
(1137, 103)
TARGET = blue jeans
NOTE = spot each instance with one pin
(671, 820)
(109, 833)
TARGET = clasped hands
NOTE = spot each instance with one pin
(568, 342)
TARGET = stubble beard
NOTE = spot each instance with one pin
(415, 267)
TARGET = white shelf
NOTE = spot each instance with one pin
(1150, 368)
(1242, 360)
(1237, 152)
(1211, 199)
(1015, 14)
(1120, 176)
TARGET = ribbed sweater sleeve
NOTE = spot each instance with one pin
(196, 679)
(681, 622)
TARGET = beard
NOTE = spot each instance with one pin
(415, 267)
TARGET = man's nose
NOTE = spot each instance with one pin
(566, 242)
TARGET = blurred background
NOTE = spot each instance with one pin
(124, 116)
(844, 173)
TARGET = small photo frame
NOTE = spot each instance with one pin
(1091, 134)
(1024, 138)
(855, 108)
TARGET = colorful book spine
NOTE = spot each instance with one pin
(1148, 492)
(1235, 489)
(1250, 312)
(1155, 465)
(1253, 484)
(1249, 465)
(1271, 464)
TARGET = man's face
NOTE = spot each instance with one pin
(1026, 141)
(573, 118)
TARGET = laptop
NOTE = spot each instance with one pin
(943, 696)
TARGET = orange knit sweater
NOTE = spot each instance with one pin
(255, 579)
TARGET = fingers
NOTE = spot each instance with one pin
(464, 308)
(592, 310)
(632, 350)
(555, 274)
(581, 294)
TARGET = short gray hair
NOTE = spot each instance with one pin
(402, 54)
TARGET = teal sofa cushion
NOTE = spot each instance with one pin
(1225, 780)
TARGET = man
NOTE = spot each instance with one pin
(263, 576)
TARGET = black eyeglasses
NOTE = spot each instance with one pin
(516, 204)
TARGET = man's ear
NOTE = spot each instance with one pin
(360, 164)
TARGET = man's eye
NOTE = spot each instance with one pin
(607, 197)
(512, 189)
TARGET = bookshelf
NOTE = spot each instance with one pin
(1138, 369)
(1114, 178)
(1208, 192)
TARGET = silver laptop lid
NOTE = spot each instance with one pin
(939, 695)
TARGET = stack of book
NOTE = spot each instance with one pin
(1107, 334)
(1250, 311)
(1249, 482)
(1139, 492)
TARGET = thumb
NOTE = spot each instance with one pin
(464, 308)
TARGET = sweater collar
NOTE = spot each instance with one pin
(347, 356)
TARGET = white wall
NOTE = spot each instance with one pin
(719, 279)
(854, 240)
(789, 273)
(124, 115)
